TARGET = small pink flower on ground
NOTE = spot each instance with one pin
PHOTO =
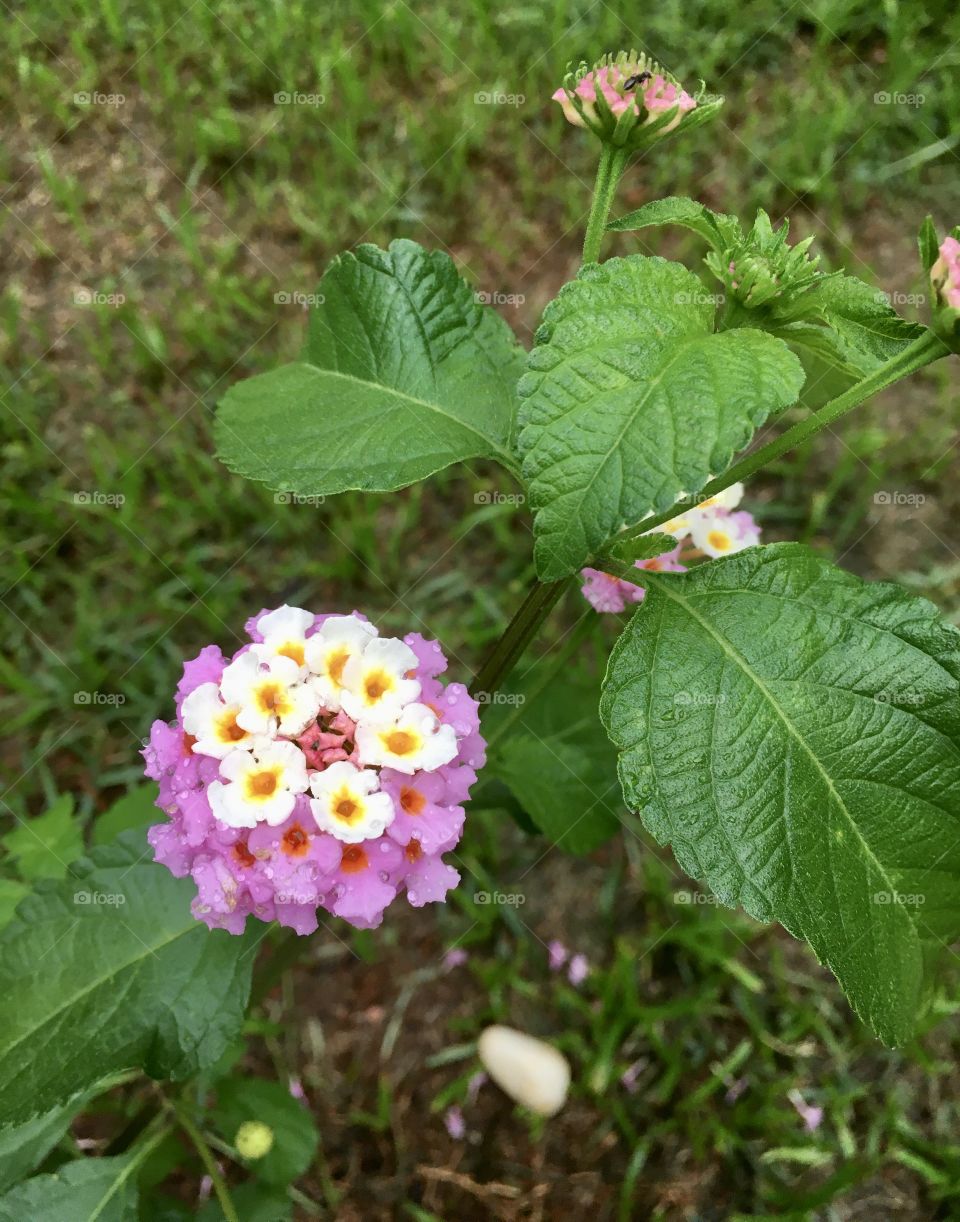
(945, 273)
(272, 806)
(631, 1074)
(558, 955)
(454, 1123)
(455, 957)
(295, 1086)
(811, 1116)
(477, 1081)
(578, 970)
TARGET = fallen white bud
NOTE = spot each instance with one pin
(531, 1072)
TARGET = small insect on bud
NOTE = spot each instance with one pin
(254, 1139)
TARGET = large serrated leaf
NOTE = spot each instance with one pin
(109, 970)
(86, 1190)
(718, 228)
(794, 733)
(403, 373)
(631, 398)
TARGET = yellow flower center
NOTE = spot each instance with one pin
(292, 650)
(376, 684)
(345, 807)
(336, 661)
(227, 729)
(400, 742)
(263, 784)
(719, 540)
(272, 698)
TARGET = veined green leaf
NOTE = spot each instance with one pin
(632, 399)
(403, 373)
(794, 733)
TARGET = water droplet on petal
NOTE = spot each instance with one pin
(411, 896)
(383, 876)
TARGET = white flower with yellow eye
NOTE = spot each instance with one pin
(270, 694)
(347, 804)
(212, 723)
(261, 785)
(722, 533)
(284, 633)
(375, 683)
(414, 740)
(338, 639)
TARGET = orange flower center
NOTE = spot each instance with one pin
(413, 851)
(412, 800)
(295, 842)
(243, 854)
(354, 859)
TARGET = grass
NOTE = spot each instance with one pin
(146, 242)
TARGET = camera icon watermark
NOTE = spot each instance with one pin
(902, 898)
(295, 297)
(491, 497)
(496, 97)
(95, 98)
(294, 97)
(711, 299)
(88, 297)
(113, 500)
(506, 899)
(513, 699)
(898, 499)
(897, 98)
(498, 298)
(694, 898)
(99, 899)
(297, 498)
(114, 699)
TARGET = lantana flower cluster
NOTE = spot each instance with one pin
(323, 766)
(629, 100)
(710, 529)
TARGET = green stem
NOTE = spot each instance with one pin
(613, 161)
(540, 601)
(921, 352)
(542, 598)
(206, 1157)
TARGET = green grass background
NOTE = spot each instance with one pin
(198, 198)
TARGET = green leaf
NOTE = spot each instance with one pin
(86, 1190)
(134, 811)
(719, 229)
(547, 745)
(631, 399)
(403, 373)
(864, 331)
(44, 847)
(11, 893)
(794, 733)
(644, 547)
(295, 1134)
(109, 970)
(928, 243)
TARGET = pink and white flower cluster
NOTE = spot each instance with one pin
(322, 766)
(713, 528)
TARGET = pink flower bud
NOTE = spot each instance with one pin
(945, 274)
